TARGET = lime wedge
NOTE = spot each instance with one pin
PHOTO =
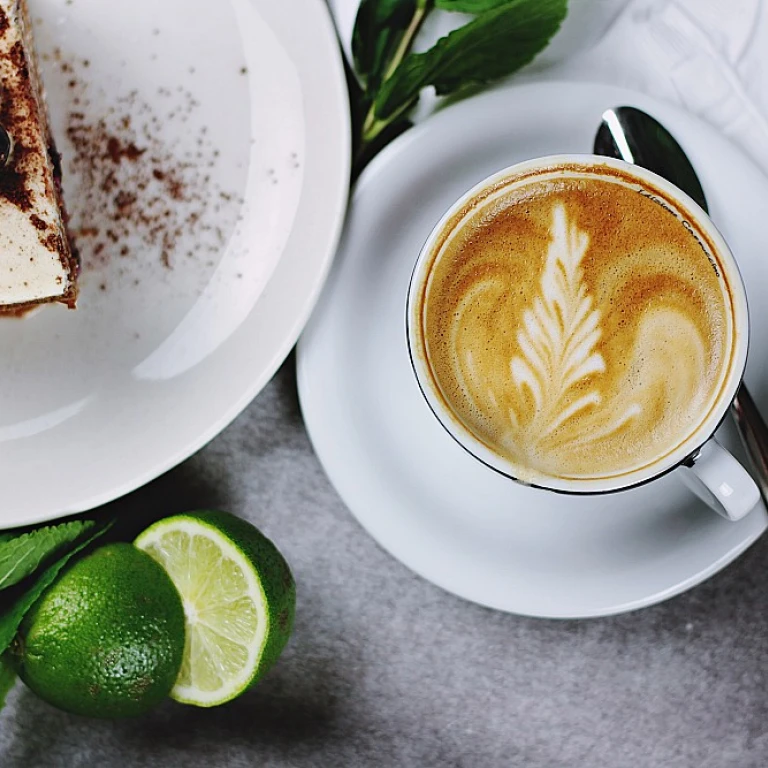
(238, 596)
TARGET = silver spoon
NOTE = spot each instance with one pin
(634, 136)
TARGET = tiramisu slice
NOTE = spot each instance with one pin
(37, 264)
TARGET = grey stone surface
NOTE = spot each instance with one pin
(386, 670)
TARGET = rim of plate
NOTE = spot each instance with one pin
(314, 50)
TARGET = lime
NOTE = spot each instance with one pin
(239, 599)
(106, 639)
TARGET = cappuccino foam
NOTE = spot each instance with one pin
(579, 325)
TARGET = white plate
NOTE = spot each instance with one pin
(173, 337)
(420, 495)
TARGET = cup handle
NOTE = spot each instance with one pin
(720, 481)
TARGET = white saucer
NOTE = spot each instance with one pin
(420, 495)
(241, 109)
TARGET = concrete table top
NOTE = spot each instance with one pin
(386, 670)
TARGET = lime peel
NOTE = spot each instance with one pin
(106, 639)
(235, 628)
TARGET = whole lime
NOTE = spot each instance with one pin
(107, 638)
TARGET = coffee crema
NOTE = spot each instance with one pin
(576, 323)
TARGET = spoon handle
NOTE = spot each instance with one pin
(754, 434)
(634, 136)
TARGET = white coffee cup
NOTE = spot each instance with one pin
(703, 464)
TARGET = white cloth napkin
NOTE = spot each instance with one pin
(709, 56)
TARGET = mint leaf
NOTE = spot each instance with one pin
(22, 555)
(469, 6)
(7, 679)
(15, 602)
(491, 46)
(380, 26)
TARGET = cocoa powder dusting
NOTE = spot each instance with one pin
(138, 195)
(117, 151)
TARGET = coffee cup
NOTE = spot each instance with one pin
(579, 324)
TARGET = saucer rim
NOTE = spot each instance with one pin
(305, 387)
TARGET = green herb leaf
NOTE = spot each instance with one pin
(379, 29)
(470, 6)
(15, 602)
(7, 679)
(489, 47)
(22, 555)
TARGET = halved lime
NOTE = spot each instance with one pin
(239, 599)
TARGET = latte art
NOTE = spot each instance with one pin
(577, 327)
(558, 345)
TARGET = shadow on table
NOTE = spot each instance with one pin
(190, 485)
(291, 709)
(184, 488)
(287, 709)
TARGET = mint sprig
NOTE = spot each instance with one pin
(15, 603)
(22, 555)
(30, 561)
(470, 6)
(380, 29)
(503, 36)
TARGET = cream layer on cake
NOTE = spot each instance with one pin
(36, 263)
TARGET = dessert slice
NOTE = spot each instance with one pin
(37, 264)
